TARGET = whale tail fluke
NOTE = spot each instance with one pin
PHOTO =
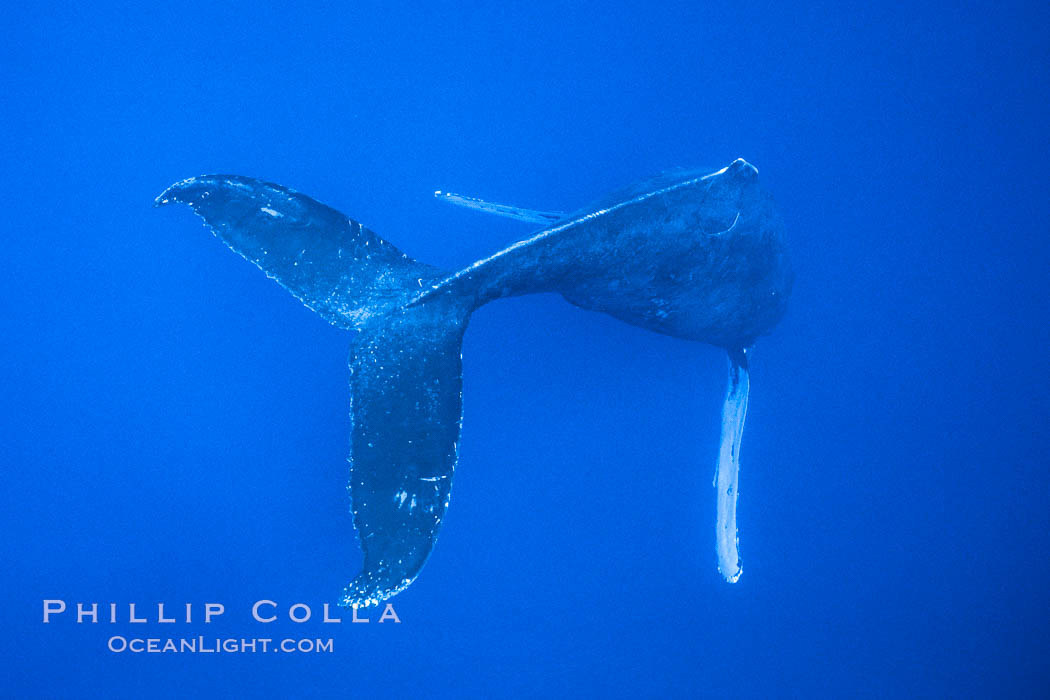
(405, 360)
(407, 407)
(330, 262)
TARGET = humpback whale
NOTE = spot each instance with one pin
(693, 254)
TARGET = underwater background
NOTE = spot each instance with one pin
(175, 426)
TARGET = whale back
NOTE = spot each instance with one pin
(638, 188)
(701, 260)
(688, 253)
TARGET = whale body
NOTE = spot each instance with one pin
(697, 255)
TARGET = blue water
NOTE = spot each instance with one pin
(175, 425)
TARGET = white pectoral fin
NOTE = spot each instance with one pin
(734, 410)
(516, 213)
